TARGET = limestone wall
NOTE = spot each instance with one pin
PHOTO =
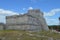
(35, 13)
(17, 20)
(22, 19)
(43, 23)
(1, 26)
(38, 14)
(33, 20)
(24, 27)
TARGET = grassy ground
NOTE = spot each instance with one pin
(28, 35)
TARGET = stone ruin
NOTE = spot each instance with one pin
(33, 20)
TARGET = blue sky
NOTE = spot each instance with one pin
(50, 8)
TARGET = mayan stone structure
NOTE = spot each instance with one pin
(2, 26)
(33, 20)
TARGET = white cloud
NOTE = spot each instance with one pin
(2, 19)
(7, 12)
(30, 8)
(4, 13)
(52, 12)
(26, 9)
(51, 21)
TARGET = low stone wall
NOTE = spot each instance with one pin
(2, 26)
(24, 27)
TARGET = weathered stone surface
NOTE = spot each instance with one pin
(1, 26)
(16, 20)
(33, 21)
(39, 15)
(26, 27)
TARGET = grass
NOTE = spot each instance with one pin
(27, 35)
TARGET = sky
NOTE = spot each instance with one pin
(50, 8)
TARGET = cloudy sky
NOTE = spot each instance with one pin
(50, 8)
